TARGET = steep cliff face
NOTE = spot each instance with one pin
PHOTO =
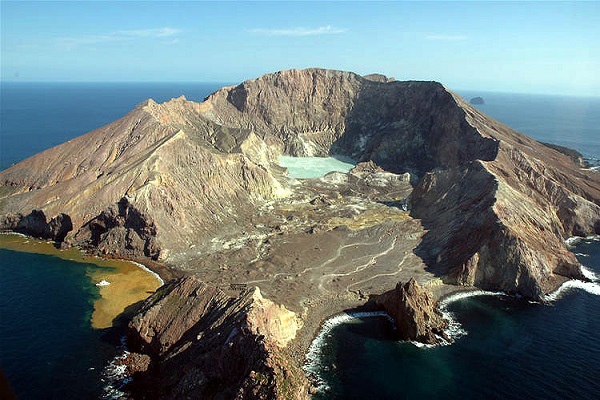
(501, 224)
(497, 205)
(231, 347)
(415, 313)
(402, 126)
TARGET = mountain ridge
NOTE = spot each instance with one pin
(416, 127)
(442, 195)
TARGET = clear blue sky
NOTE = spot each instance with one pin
(540, 47)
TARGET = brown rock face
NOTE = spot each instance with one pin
(36, 224)
(118, 225)
(415, 313)
(501, 224)
(497, 205)
(204, 344)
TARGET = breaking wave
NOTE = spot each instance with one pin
(313, 365)
(573, 241)
(115, 375)
(455, 329)
(592, 287)
(142, 266)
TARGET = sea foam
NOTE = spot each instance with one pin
(455, 329)
(573, 241)
(592, 287)
(313, 364)
(115, 375)
(142, 266)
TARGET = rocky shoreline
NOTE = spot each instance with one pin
(441, 195)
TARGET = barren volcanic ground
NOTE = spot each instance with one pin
(325, 248)
(442, 193)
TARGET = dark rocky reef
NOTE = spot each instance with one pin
(477, 100)
(204, 344)
(37, 225)
(120, 231)
(415, 313)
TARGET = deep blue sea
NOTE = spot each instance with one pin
(564, 120)
(509, 349)
(512, 349)
(48, 348)
(37, 116)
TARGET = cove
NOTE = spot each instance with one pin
(56, 324)
(511, 349)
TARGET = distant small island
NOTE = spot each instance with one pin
(477, 100)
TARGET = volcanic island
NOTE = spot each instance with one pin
(442, 199)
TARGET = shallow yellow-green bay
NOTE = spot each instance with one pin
(129, 283)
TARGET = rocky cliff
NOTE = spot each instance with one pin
(501, 223)
(415, 313)
(445, 194)
(204, 344)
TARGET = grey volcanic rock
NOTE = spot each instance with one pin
(36, 224)
(415, 313)
(118, 225)
(496, 204)
(229, 347)
(477, 100)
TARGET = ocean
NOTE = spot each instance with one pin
(37, 116)
(512, 349)
(48, 348)
(505, 348)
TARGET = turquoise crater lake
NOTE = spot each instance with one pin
(314, 167)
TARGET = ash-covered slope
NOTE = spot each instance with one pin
(497, 205)
(161, 177)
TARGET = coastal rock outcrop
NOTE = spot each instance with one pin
(415, 313)
(37, 225)
(120, 231)
(198, 186)
(205, 344)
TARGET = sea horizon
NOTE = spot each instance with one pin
(29, 112)
(230, 83)
(41, 120)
